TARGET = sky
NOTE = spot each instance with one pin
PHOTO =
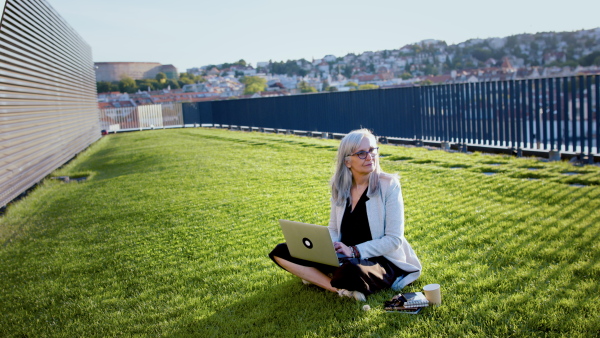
(194, 33)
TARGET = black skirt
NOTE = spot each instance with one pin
(363, 275)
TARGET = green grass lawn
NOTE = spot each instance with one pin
(169, 236)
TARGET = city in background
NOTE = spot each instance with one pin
(523, 56)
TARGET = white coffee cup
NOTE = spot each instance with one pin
(432, 293)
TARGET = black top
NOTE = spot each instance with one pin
(355, 223)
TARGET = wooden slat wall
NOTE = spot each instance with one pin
(48, 104)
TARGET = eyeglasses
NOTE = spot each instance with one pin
(363, 154)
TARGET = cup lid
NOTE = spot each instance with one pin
(431, 287)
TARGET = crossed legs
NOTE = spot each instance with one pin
(307, 273)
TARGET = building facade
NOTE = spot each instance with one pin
(115, 71)
(48, 107)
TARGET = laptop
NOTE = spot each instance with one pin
(310, 242)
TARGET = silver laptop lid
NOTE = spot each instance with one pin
(310, 242)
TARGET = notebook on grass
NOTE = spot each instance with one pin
(411, 302)
(310, 242)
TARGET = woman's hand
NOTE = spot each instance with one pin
(342, 248)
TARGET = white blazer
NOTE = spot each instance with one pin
(385, 211)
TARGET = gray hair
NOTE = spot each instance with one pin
(341, 182)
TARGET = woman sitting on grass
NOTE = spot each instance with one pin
(366, 226)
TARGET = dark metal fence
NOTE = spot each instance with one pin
(547, 114)
(559, 114)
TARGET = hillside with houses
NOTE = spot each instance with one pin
(523, 56)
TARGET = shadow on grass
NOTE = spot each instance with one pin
(398, 158)
(494, 162)
(529, 174)
(455, 165)
(425, 161)
(487, 170)
(291, 309)
(287, 309)
(127, 165)
(548, 258)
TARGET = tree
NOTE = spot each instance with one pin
(186, 78)
(102, 87)
(289, 67)
(430, 70)
(173, 84)
(306, 88)
(254, 84)
(590, 59)
(348, 70)
(406, 76)
(184, 81)
(127, 85)
(161, 77)
(351, 84)
(448, 63)
(106, 87)
(225, 65)
(143, 85)
(368, 86)
(511, 41)
(482, 54)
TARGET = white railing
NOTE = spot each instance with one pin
(141, 117)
